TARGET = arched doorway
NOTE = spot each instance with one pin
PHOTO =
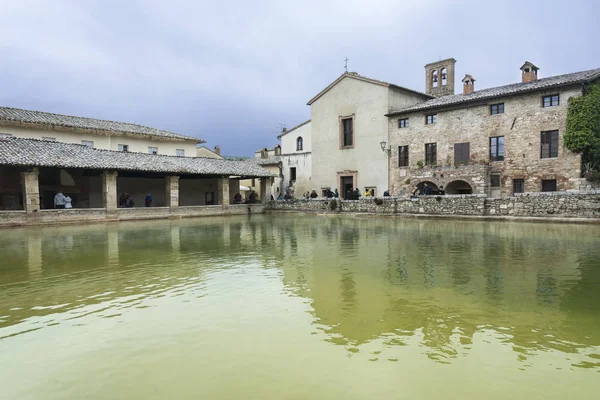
(421, 185)
(459, 187)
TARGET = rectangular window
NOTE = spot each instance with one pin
(495, 180)
(548, 185)
(497, 109)
(430, 119)
(430, 153)
(497, 148)
(403, 156)
(50, 139)
(372, 191)
(461, 153)
(5, 135)
(293, 173)
(403, 123)
(180, 152)
(152, 150)
(347, 132)
(549, 144)
(518, 185)
(124, 147)
(88, 143)
(550, 101)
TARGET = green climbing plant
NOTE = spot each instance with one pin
(583, 126)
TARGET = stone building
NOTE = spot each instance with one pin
(296, 159)
(95, 133)
(496, 141)
(348, 128)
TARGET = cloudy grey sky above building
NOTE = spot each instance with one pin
(231, 71)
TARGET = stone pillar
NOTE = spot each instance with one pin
(223, 188)
(263, 189)
(31, 191)
(109, 190)
(172, 183)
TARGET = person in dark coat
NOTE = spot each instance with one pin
(427, 190)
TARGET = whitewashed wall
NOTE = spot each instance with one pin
(106, 142)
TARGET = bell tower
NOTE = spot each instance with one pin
(439, 78)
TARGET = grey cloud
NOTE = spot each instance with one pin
(230, 71)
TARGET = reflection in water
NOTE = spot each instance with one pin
(455, 293)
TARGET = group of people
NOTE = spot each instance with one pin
(126, 201)
(61, 201)
(428, 190)
(327, 193)
(251, 198)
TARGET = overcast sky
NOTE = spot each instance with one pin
(230, 71)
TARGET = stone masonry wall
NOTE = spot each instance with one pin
(521, 124)
(547, 205)
(75, 215)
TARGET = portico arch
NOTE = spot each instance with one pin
(459, 187)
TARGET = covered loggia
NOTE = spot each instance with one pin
(11, 188)
(199, 190)
(138, 184)
(83, 186)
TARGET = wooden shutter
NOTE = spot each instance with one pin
(461, 153)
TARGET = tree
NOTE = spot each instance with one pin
(583, 127)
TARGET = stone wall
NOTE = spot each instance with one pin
(546, 205)
(43, 217)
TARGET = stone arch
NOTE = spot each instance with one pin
(434, 78)
(420, 185)
(299, 144)
(444, 76)
(459, 187)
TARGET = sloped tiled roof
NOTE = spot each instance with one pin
(500, 91)
(355, 75)
(41, 153)
(271, 160)
(44, 118)
(293, 129)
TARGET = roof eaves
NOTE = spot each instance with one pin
(13, 116)
(474, 98)
(293, 129)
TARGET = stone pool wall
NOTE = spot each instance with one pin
(549, 205)
(84, 215)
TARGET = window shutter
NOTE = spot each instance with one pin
(461, 153)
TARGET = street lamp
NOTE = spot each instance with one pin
(386, 150)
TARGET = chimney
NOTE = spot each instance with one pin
(439, 78)
(468, 84)
(217, 150)
(529, 72)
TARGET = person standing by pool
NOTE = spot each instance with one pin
(68, 202)
(148, 201)
(59, 200)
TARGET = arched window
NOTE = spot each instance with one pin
(434, 78)
(299, 143)
(444, 77)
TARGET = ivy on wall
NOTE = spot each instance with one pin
(583, 128)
